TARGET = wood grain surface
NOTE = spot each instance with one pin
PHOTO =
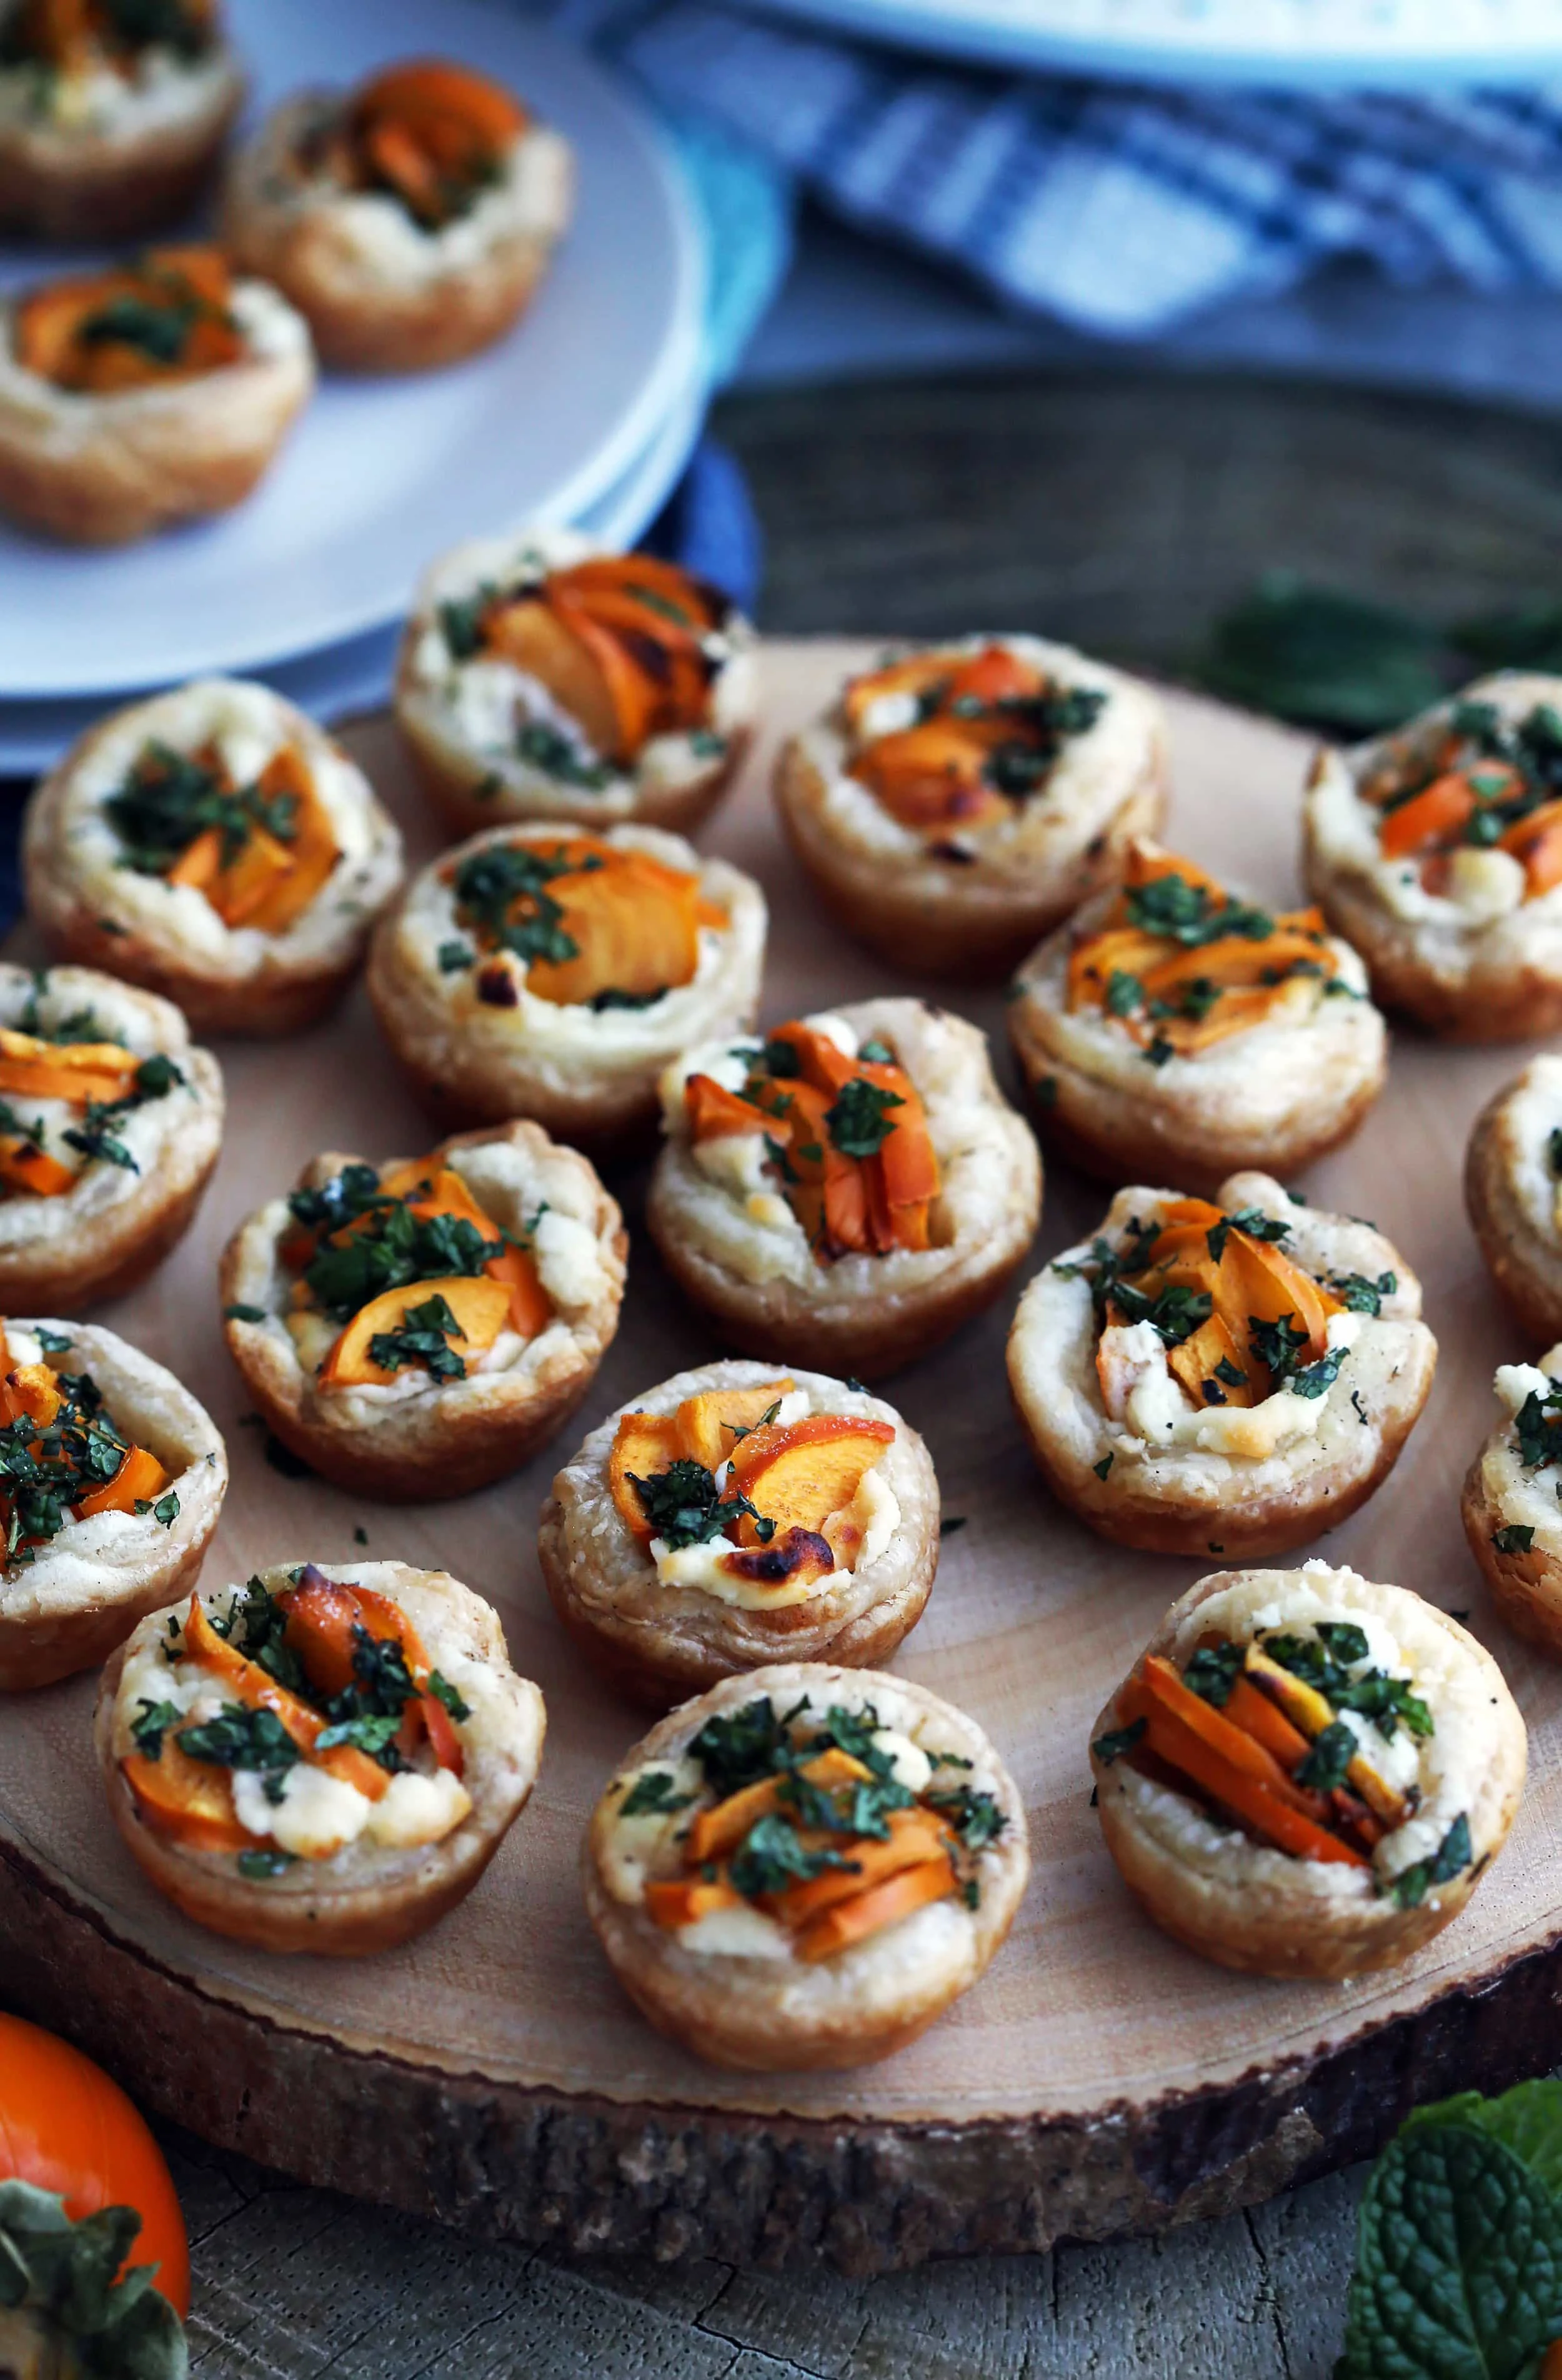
(1099, 2078)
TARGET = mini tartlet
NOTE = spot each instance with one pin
(152, 392)
(319, 1762)
(805, 1866)
(1512, 1501)
(111, 118)
(1513, 1193)
(1437, 852)
(417, 1329)
(1307, 1773)
(543, 676)
(954, 804)
(543, 972)
(734, 1513)
(1172, 1028)
(1230, 1379)
(110, 1124)
(111, 1479)
(215, 846)
(409, 220)
(847, 1192)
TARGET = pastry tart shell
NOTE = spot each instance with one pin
(975, 922)
(104, 186)
(852, 1320)
(140, 459)
(53, 1621)
(307, 1911)
(288, 989)
(366, 322)
(1282, 1926)
(1179, 1500)
(1526, 1268)
(104, 1252)
(660, 1644)
(456, 1436)
(774, 2016)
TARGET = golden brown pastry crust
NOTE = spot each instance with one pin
(1465, 979)
(973, 920)
(468, 1068)
(297, 977)
(669, 784)
(769, 2015)
(92, 1252)
(1277, 1097)
(303, 1911)
(1526, 1267)
(102, 185)
(865, 1316)
(1525, 1586)
(54, 1619)
(1286, 1922)
(456, 1436)
(659, 1644)
(105, 470)
(1185, 1500)
(364, 320)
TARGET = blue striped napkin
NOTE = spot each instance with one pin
(1118, 211)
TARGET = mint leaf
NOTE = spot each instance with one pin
(1459, 2268)
(1528, 2120)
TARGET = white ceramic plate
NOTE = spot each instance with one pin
(379, 475)
(1309, 43)
(342, 680)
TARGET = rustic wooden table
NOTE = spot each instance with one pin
(1122, 513)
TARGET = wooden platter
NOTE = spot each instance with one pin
(1099, 2079)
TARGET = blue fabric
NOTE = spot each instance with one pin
(709, 525)
(1118, 211)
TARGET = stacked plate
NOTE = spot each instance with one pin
(586, 414)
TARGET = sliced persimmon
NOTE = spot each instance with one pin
(633, 692)
(869, 1913)
(1198, 1361)
(931, 775)
(189, 1801)
(253, 1686)
(721, 1828)
(920, 675)
(140, 1478)
(527, 631)
(32, 1392)
(677, 1902)
(30, 1068)
(255, 879)
(635, 929)
(798, 1474)
(313, 847)
(480, 1305)
(530, 1308)
(994, 675)
(25, 1166)
(1536, 842)
(914, 1836)
(1437, 815)
(1258, 1283)
(423, 92)
(711, 1425)
(643, 1445)
(716, 1114)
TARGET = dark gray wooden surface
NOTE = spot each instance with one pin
(1120, 513)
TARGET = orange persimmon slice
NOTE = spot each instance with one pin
(711, 1424)
(527, 631)
(869, 1912)
(914, 1836)
(1438, 814)
(720, 1829)
(251, 1685)
(189, 1801)
(643, 1445)
(480, 1305)
(1536, 842)
(140, 1477)
(634, 923)
(799, 1474)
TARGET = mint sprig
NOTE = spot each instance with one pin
(1459, 2268)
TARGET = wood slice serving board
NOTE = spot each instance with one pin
(1099, 2078)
